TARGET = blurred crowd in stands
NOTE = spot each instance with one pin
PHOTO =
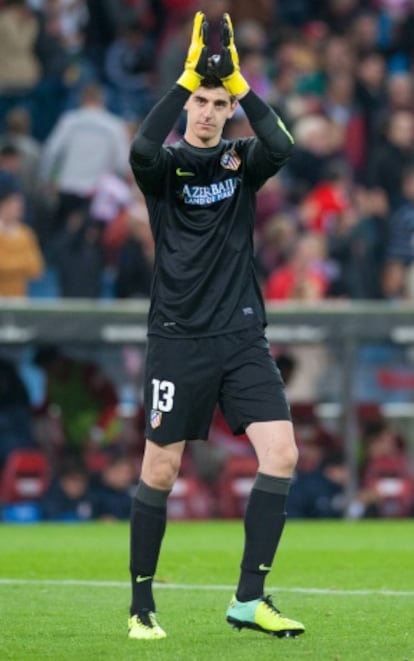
(76, 79)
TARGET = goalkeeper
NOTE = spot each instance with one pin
(206, 341)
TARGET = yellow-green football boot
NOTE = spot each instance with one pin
(262, 615)
(144, 626)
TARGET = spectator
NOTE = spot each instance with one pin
(129, 64)
(72, 18)
(262, 12)
(340, 106)
(364, 31)
(317, 144)
(339, 15)
(134, 271)
(16, 430)
(275, 244)
(21, 259)
(405, 32)
(68, 497)
(18, 135)
(100, 31)
(85, 144)
(254, 65)
(60, 74)
(358, 247)
(304, 275)
(400, 92)
(271, 199)
(111, 489)
(328, 200)
(78, 257)
(370, 92)
(387, 476)
(399, 269)
(320, 494)
(338, 56)
(298, 79)
(392, 155)
(19, 67)
(129, 218)
(11, 162)
(112, 195)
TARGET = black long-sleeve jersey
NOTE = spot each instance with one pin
(201, 204)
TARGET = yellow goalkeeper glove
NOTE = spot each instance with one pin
(196, 64)
(227, 66)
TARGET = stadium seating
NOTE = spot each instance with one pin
(96, 460)
(24, 477)
(390, 479)
(234, 486)
(190, 499)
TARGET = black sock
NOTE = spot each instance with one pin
(263, 524)
(148, 522)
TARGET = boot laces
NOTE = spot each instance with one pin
(270, 605)
(147, 619)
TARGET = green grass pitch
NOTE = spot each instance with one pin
(64, 593)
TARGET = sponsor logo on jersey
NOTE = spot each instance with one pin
(204, 195)
(155, 418)
(230, 160)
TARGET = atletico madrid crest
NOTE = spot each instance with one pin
(155, 418)
(230, 160)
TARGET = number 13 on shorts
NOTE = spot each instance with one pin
(162, 395)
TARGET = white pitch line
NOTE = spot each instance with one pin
(184, 586)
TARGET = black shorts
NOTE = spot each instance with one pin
(186, 378)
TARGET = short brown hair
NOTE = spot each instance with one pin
(211, 81)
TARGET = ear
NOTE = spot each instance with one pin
(233, 107)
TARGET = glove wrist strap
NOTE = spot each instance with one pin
(236, 84)
(190, 80)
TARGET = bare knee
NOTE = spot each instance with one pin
(287, 455)
(275, 447)
(161, 474)
(160, 465)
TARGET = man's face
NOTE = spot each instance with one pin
(207, 112)
(401, 130)
(11, 209)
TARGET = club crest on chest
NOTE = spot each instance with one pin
(230, 160)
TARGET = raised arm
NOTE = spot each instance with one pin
(147, 143)
(155, 128)
(275, 141)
